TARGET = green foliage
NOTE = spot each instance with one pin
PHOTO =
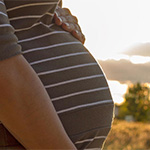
(137, 103)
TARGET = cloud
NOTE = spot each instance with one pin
(125, 71)
(141, 49)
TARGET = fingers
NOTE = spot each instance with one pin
(68, 26)
(68, 22)
(63, 11)
(78, 35)
(58, 21)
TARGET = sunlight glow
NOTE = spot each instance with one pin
(135, 59)
(139, 59)
(117, 90)
(148, 85)
(115, 57)
(114, 28)
(111, 28)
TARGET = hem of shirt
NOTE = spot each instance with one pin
(12, 55)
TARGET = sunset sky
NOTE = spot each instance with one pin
(116, 29)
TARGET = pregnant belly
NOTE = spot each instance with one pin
(73, 79)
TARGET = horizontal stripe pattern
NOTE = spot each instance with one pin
(89, 140)
(74, 81)
(22, 14)
(64, 69)
(51, 25)
(1, 13)
(5, 25)
(8, 41)
(42, 36)
(48, 47)
(28, 28)
(78, 93)
(2, 3)
(48, 13)
(84, 106)
(25, 17)
(31, 4)
(58, 57)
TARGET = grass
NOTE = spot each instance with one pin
(128, 136)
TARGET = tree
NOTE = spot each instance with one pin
(137, 103)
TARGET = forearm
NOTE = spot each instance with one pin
(26, 109)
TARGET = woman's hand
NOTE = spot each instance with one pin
(68, 22)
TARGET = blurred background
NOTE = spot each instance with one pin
(118, 36)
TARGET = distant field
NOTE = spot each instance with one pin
(128, 136)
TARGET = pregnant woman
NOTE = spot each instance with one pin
(53, 94)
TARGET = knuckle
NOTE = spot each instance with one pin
(67, 11)
(63, 19)
(72, 19)
(75, 19)
(69, 19)
(71, 25)
(77, 27)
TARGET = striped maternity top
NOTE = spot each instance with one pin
(73, 79)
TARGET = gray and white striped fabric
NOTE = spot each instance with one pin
(73, 79)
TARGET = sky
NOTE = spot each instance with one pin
(116, 29)
(112, 26)
(122, 73)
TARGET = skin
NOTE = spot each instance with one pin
(26, 109)
(68, 22)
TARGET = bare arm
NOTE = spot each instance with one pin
(26, 109)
